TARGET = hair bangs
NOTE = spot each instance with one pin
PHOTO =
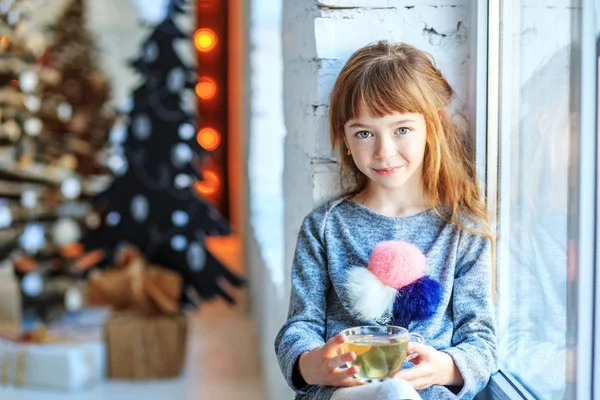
(382, 91)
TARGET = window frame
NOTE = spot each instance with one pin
(585, 103)
(265, 195)
(596, 352)
(491, 112)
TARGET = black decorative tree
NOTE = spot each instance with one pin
(152, 203)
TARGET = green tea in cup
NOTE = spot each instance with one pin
(380, 350)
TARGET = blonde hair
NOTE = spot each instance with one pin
(387, 78)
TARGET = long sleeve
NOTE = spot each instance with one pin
(305, 328)
(474, 348)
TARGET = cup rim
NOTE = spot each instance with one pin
(401, 331)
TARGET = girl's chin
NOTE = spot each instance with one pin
(389, 184)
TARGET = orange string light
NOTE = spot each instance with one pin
(205, 39)
(209, 138)
(206, 88)
(210, 185)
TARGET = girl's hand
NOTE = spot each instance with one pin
(321, 365)
(432, 367)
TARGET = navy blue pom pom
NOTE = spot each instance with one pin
(417, 301)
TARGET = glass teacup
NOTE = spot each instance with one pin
(380, 350)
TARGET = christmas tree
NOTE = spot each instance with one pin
(16, 59)
(54, 121)
(83, 89)
(152, 203)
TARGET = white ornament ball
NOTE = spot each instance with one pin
(28, 81)
(65, 112)
(32, 284)
(65, 231)
(33, 126)
(29, 199)
(181, 155)
(5, 216)
(180, 218)
(179, 242)
(182, 181)
(196, 257)
(186, 131)
(176, 80)
(33, 103)
(139, 208)
(71, 188)
(113, 218)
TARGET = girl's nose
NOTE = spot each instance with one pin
(385, 147)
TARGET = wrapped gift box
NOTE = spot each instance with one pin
(145, 347)
(67, 366)
(10, 300)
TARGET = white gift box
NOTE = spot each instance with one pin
(66, 366)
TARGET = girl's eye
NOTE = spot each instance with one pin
(403, 131)
(363, 134)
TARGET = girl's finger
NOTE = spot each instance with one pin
(340, 360)
(345, 376)
(419, 384)
(332, 347)
(410, 374)
(350, 382)
(421, 349)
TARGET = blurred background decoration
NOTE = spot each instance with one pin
(85, 172)
(55, 120)
(110, 185)
(160, 200)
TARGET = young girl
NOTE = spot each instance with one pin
(413, 182)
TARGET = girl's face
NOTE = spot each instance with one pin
(388, 150)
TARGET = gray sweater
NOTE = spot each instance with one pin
(341, 235)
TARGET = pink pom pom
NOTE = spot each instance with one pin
(397, 263)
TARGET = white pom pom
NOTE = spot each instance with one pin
(368, 295)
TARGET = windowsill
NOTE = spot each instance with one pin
(500, 388)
